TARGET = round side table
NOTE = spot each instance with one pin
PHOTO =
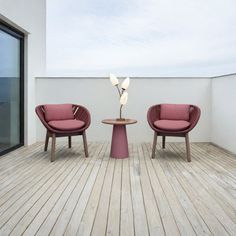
(119, 143)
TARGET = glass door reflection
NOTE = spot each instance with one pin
(11, 89)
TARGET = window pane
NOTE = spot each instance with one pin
(9, 91)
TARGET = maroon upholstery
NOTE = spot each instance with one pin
(154, 114)
(64, 120)
(79, 113)
(67, 125)
(172, 120)
(172, 125)
(174, 112)
(58, 112)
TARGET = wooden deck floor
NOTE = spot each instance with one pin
(103, 196)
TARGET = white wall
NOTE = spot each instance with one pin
(29, 16)
(224, 112)
(216, 97)
(101, 99)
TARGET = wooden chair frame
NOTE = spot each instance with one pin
(80, 113)
(154, 115)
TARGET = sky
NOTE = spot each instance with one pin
(10, 51)
(141, 37)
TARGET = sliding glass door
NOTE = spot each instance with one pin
(11, 88)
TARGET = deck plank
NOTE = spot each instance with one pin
(181, 219)
(77, 215)
(113, 221)
(126, 217)
(87, 220)
(140, 216)
(100, 195)
(153, 214)
(221, 220)
(166, 213)
(224, 198)
(43, 207)
(55, 212)
(67, 211)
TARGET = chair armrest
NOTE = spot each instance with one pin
(194, 117)
(39, 111)
(153, 115)
(81, 113)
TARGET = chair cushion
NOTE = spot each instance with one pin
(66, 125)
(58, 112)
(175, 112)
(172, 125)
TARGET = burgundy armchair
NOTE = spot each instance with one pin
(172, 120)
(64, 120)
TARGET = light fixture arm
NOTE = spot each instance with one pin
(121, 89)
(121, 111)
(118, 89)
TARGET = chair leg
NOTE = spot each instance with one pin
(53, 147)
(154, 145)
(188, 147)
(46, 142)
(69, 141)
(163, 142)
(85, 144)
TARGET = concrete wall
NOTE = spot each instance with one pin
(223, 123)
(101, 99)
(30, 17)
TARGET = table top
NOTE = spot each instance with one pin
(119, 122)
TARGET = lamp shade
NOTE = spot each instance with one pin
(125, 83)
(124, 98)
(114, 80)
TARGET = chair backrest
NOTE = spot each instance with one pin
(58, 112)
(154, 111)
(175, 112)
(78, 112)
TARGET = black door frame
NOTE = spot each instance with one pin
(19, 35)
